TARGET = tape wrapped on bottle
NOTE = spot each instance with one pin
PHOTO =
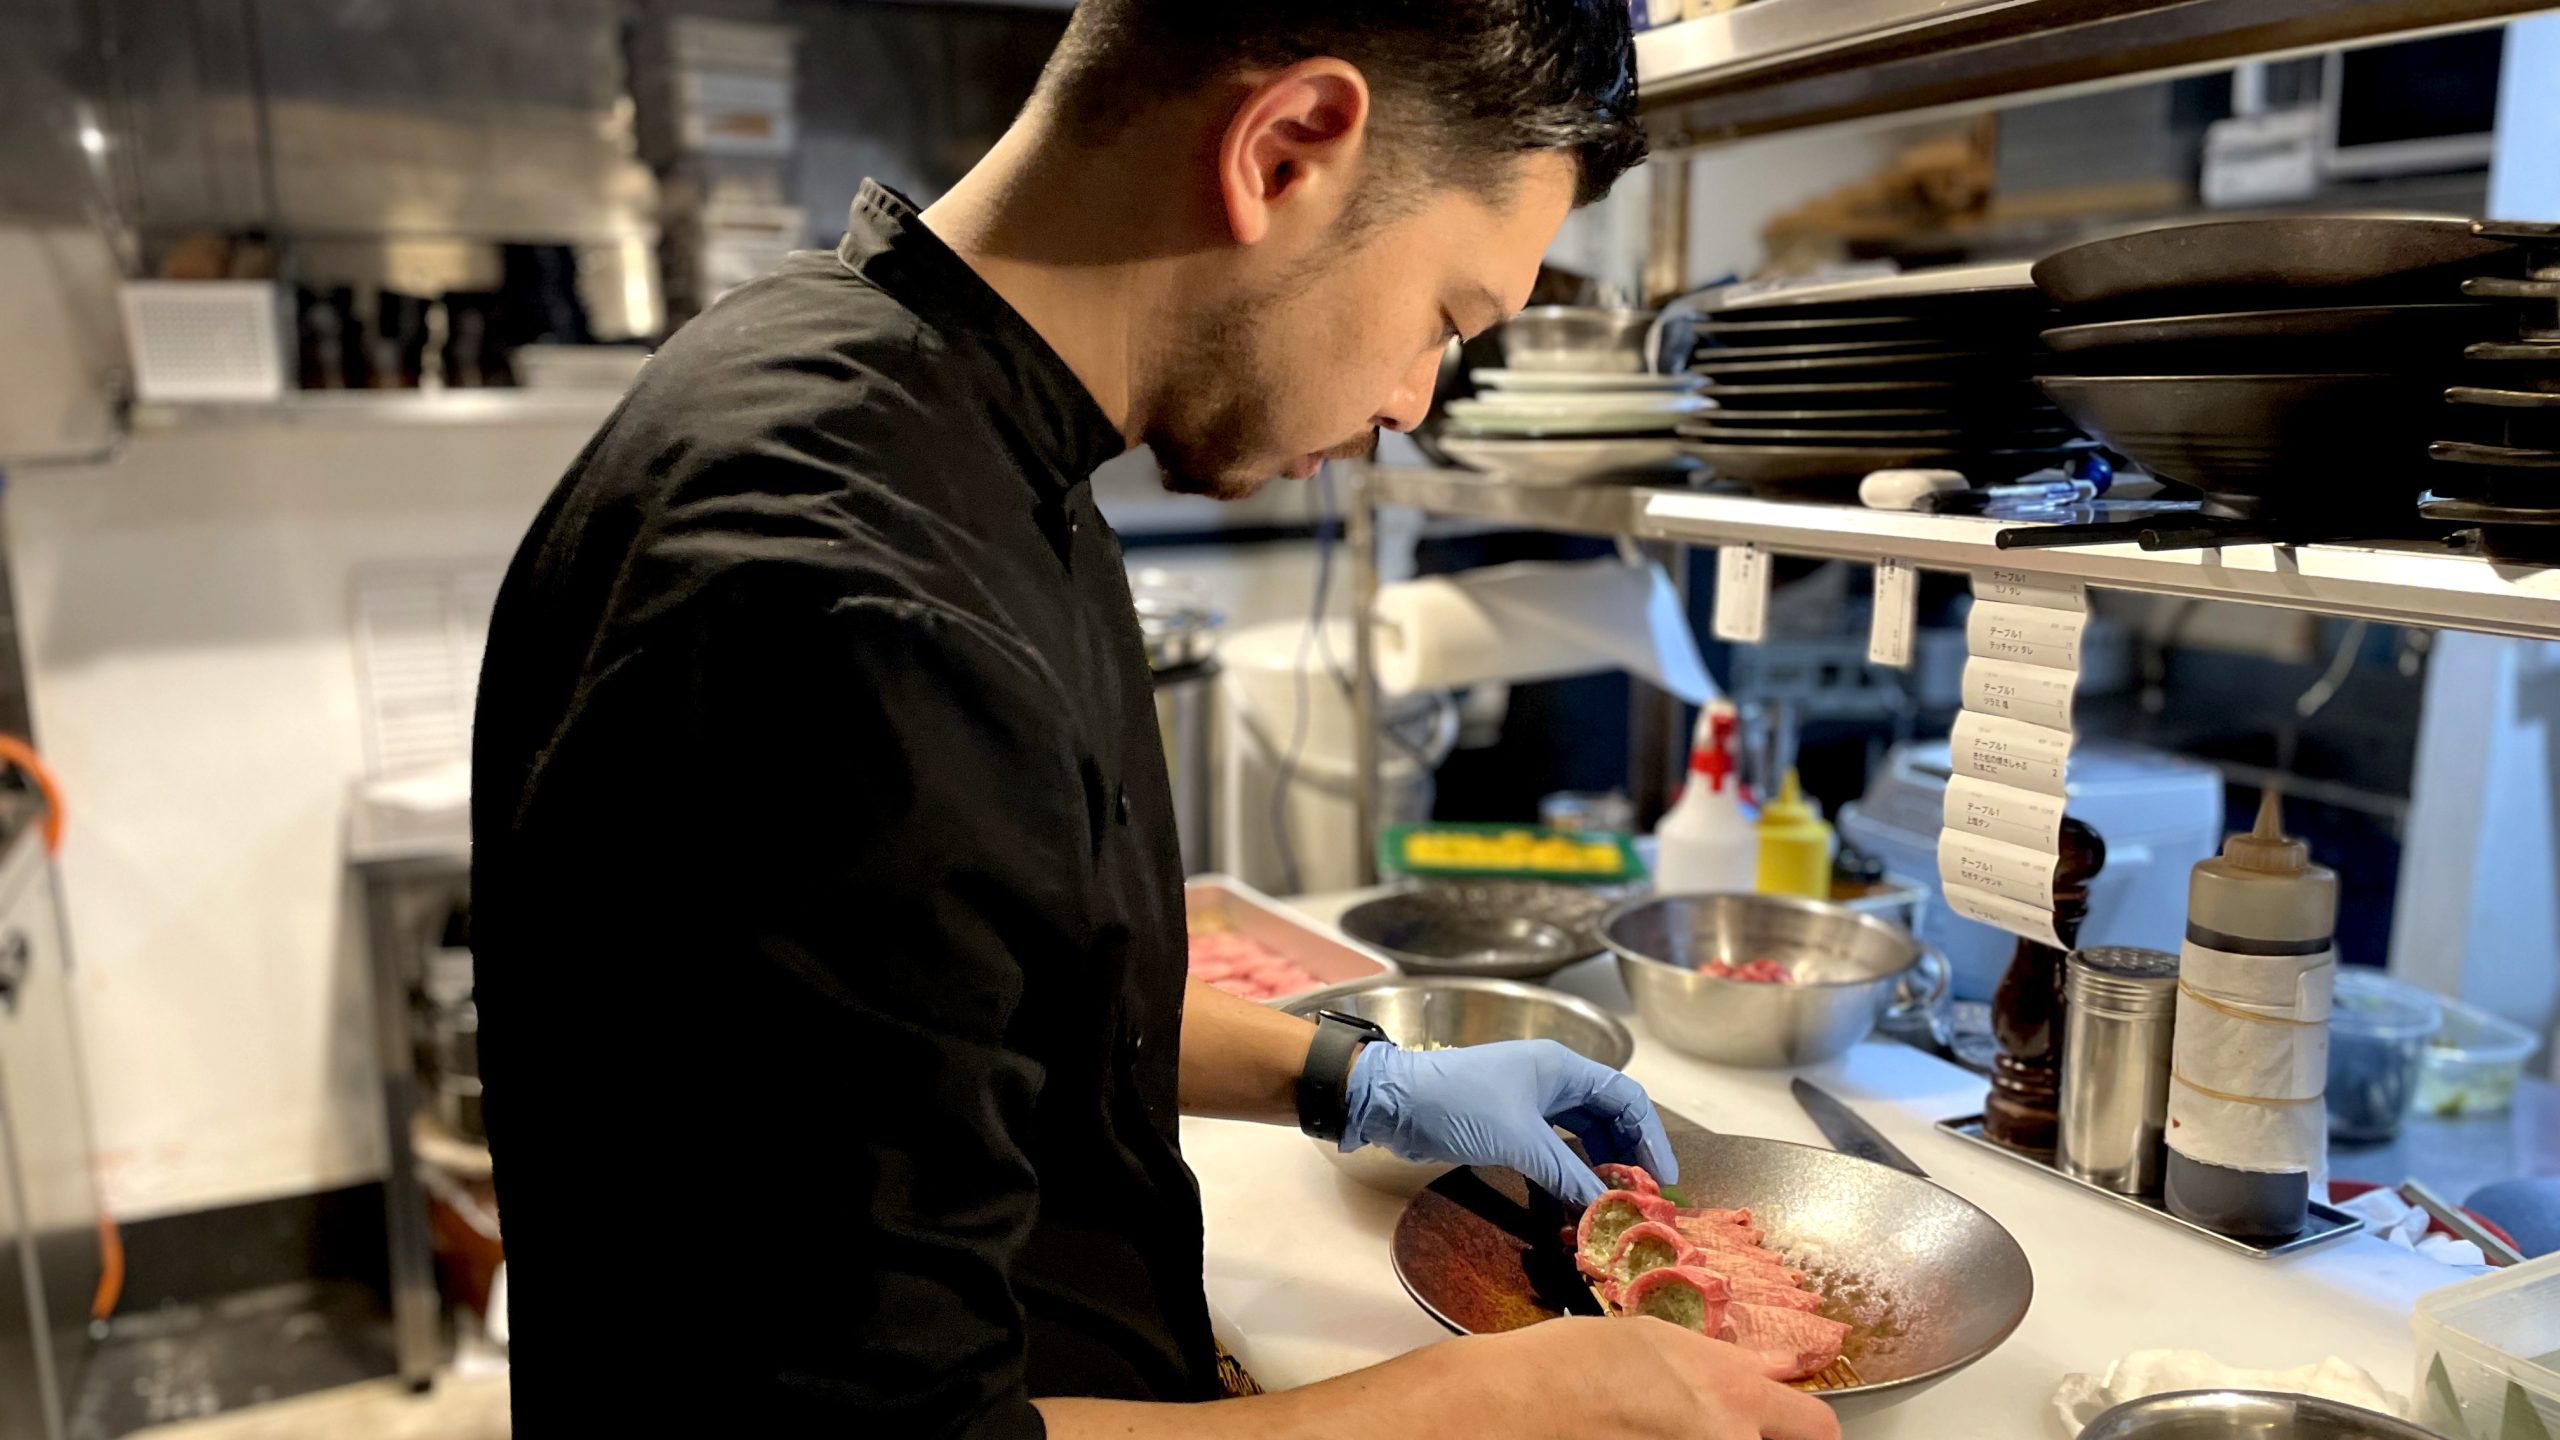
(2250, 1061)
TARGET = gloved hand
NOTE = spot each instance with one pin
(1496, 1105)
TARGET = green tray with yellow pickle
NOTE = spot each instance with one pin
(1453, 851)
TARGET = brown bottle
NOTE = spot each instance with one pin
(2026, 1011)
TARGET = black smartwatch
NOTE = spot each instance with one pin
(1324, 1085)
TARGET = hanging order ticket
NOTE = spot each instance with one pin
(2010, 753)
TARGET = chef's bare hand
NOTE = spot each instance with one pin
(1643, 1379)
(1562, 1380)
(1498, 1105)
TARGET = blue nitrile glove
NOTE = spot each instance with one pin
(1497, 1104)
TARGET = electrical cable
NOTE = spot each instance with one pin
(2341, 666)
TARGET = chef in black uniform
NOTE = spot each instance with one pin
(828, 915)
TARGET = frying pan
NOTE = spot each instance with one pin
(2274, 259)
(2327, 337)
(1927, 1281)
(2337, 441)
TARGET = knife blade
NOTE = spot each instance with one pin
(1847, 1133)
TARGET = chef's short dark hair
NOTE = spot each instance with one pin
(1458, 86)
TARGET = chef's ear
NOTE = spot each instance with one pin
(1294, 146)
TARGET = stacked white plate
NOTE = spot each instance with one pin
(1565, 427)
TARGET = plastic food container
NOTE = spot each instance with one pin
(2487, 1352)
(2473, 1063)
(2378, 1032)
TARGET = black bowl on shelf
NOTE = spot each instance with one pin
(2261, 442)
(2328, 338)
(1742, 333)
(1922, 366)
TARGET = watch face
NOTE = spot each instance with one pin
(1359, 1023)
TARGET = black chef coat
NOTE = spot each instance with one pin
(828, 915)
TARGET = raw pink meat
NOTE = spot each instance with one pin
(1763, 971)
(1790, 1344)
(1665, 1294)
(1736, 1221)
(1627, 1177)
(1244, 967)
(1622, 1266)
(1605, 1219)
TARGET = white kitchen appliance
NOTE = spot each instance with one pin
(2158, 814)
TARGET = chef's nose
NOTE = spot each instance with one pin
(1411, 399)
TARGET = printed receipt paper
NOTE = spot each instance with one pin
(2010, 755)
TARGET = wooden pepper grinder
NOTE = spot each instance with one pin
(2026, 1011)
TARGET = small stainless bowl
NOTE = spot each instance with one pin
(1848, 968)
(1448, 1013)
(2259, 1415)
(1499, 929)
(1578, 338)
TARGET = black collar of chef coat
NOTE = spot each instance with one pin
(888, 244)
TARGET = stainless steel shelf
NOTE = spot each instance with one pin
(390, 407)
(1785, 64)
(2406, 584)
(2400, 585)
(1461, 494)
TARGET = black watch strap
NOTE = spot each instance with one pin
(1324, 1085)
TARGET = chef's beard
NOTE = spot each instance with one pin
(1224, 441)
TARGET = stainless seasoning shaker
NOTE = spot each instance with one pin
(2123, 1010)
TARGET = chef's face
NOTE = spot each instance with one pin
(1325, 334)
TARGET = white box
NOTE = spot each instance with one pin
(204, 340)
(2158, 814)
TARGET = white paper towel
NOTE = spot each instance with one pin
(1538, 620)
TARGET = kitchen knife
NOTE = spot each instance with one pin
(1847, 1133)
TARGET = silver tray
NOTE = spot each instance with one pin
(2328, 1222)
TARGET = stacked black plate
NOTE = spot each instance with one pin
(2291, 368)
(2501, 479)
(1814, 386)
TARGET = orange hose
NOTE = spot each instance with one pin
(110, 1268)
(18, 752)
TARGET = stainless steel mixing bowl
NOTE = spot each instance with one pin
(2259, 1415)
(1498, 929)
(1848, 968)
(1578, 338)
(1419, 1013)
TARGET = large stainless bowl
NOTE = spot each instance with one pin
(1446, 1013)
(1575, 337)
(1848, 968)
(1497, 929)
(2260, 1415)
(1926, 1281)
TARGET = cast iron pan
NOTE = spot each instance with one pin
(2335, 441)
(1976, 396)
(2276, 260)
(1927, 1282)
(2332, 337)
